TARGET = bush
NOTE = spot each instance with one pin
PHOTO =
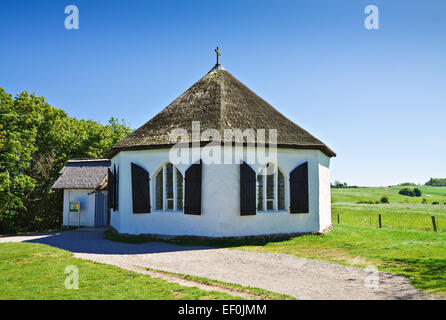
(410, 192)
(384, 199)
(424, 201)
(417, 192)
(435, 202)
(407, 192)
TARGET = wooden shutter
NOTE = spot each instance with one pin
(192, 196)
(111, 190)
(247, 190)
(299, 189)
(140, 189)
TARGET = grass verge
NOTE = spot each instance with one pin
(36, 271)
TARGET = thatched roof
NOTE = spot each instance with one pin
(219, 101)
(83, 174)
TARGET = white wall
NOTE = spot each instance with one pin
(221, 199)
(87, 207)
(324, 192)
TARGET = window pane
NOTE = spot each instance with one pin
(270, 205)
(169, 181)
(159, 190)
(281, 190)
(260, 191)
(179, 190)
(270, 186)
(170, 204)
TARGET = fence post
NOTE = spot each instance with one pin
(380, 224)
(434, 224)
(338, 218)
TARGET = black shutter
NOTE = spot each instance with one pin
(111, 192)
(192, 197)
(115, 189)
(299, 189)
(247, 190)
(140, 189)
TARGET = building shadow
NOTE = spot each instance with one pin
(93, 241)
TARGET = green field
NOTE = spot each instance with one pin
(354, 207)
(365, 194)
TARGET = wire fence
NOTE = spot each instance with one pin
(424, 222)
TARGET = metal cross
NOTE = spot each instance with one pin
(217, 51)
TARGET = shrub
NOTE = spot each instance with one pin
(435, 202)
(384, 199)
(410, 192)
(407, 192)
(424, 201)
(417, 192)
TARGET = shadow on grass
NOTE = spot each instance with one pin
(112, 235)
(426, 274)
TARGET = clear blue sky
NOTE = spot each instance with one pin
(376, 97)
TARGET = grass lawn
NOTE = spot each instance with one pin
(36, 271)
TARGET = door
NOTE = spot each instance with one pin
(100, 210)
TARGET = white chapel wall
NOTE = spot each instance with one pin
(221, 199)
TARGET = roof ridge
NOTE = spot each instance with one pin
(220, 93)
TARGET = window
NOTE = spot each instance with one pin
(270, 189)
(169, 188)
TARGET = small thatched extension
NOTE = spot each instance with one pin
(219, 101)
(83, 174)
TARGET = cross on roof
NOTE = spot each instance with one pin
(217, 51)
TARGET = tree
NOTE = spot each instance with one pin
(436, 182)
(36, 141)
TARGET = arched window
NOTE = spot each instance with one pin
(169, 188)
(270, 189)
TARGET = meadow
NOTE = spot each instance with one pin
(361, 207)
(366, 194)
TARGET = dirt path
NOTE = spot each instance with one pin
(282, 273)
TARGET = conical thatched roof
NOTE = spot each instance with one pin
(219, 101)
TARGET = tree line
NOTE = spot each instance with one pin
(436, 182)
(36, 141)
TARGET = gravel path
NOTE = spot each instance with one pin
(282, 273)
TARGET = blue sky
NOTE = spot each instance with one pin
(376, 97)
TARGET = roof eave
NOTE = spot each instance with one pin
(114, 151)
